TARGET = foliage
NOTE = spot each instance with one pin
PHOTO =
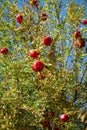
(25, 96)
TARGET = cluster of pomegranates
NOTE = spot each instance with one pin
(80, 43)
(47, 124)
(38, 65)
(34, 3)
(20, 18)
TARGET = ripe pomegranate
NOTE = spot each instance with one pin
(37, 66)
(19, 18)
(34, 54)
(84, 21)
(80, 43)
(4, 51)
(47, 41)
(77, 34)
(64, 118)
(44, 16)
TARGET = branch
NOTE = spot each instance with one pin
(68, 55)
(83, 75)
(75, 95)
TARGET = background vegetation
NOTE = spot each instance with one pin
(25, 95)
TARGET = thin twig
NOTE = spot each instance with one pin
(83, 75)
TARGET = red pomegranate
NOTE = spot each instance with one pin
(77, 34)
(37, 66)
(84, 21)
(19, 18)
(44, 16)
(47, 41)
(80, 43)
(64, 118)
(34, 54)
(4, 51)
